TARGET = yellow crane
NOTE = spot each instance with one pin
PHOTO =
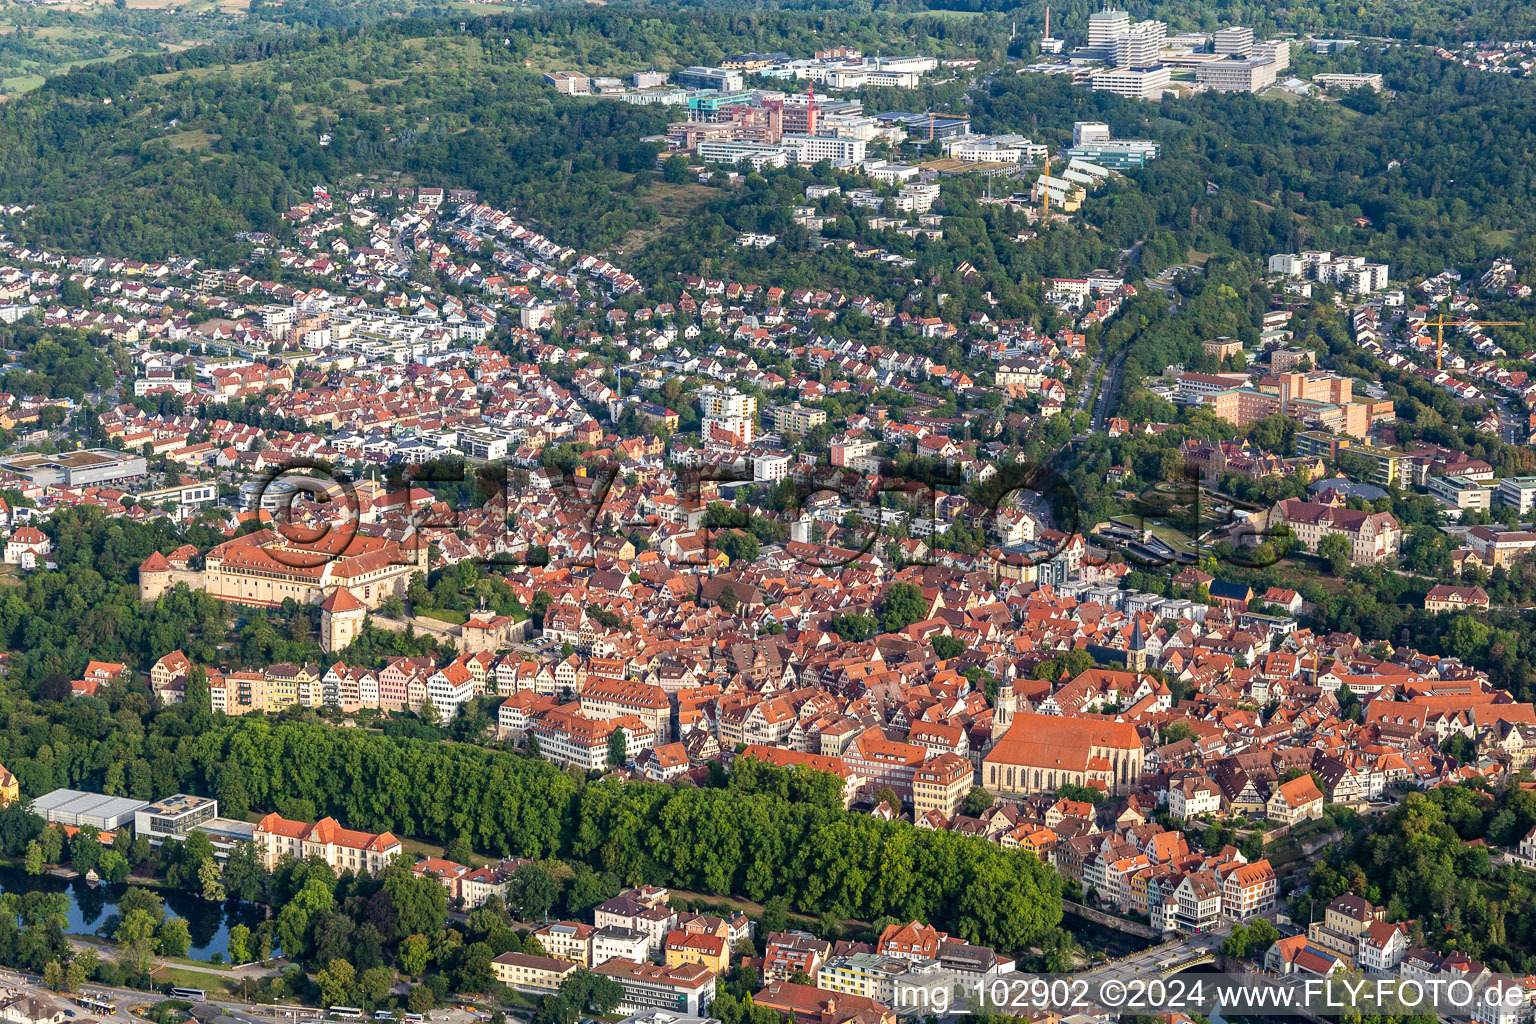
(1441, 322)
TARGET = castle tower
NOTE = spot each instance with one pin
(154, 577)
(341, 619)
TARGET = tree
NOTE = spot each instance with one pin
(52, 841)
(240, 945)
(175, 938)
(948, 647)
(674, 171)
(85, 850)
(337, 980)
(977, 802)
(113, 867)
(34, 862)
(411, 957)
(1334, 549)
(775, 914)
(243, 873)
(458, 850)
(420, 904)
(617, 748)
(135, 939)
(904, 604)
(531, 892)
(208, 878)
(728, 600)
(374, 985)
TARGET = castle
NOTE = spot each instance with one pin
(264, 568)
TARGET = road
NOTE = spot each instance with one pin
(1182, 953)
(1093, 369)
(1109, 390)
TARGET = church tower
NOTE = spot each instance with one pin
(341, 619)
(1136, 650)
(1002, 715)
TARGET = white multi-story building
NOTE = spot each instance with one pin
(729, 410)
(1235, 42)
(1104, 27)
(1248, 75)
(343, 849)
(450, 688)
(1007, 149)
(1275, 51)
(613, 942)
(1141, 46)
(812, 149)
(721, 151)
(1085, 132)
(1133, 83)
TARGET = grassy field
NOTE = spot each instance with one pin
(443, 615)
(674, 205)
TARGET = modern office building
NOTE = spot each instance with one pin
(717, 79)
(76, 808)
(1133, 83)
(1276, 51)
(1085, 132)
(1235, 42)
(1247, 75)
(1104, 27)
(1141, 46)
(77, 468)
(812, 149)
(1116, 154)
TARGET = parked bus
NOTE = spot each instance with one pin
(347, 1012)
(195, 994)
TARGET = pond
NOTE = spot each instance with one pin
(91, 905)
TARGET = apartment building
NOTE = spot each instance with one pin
(797, 418)
(567, 940)
(643, 910)
(614, 942)
(1249, 889)
(729, 410)
(689, 988)
(790, 951)
(711, 951)
(868, 975)
(603, 699)
(568, 737)
(1294, 801)
(538, 975)
(941, 784)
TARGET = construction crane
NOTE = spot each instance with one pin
(1441, 322)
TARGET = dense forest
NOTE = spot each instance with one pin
(768, 833)
(1291, 174)
(196, 146)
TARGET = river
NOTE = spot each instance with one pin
(91, 905)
